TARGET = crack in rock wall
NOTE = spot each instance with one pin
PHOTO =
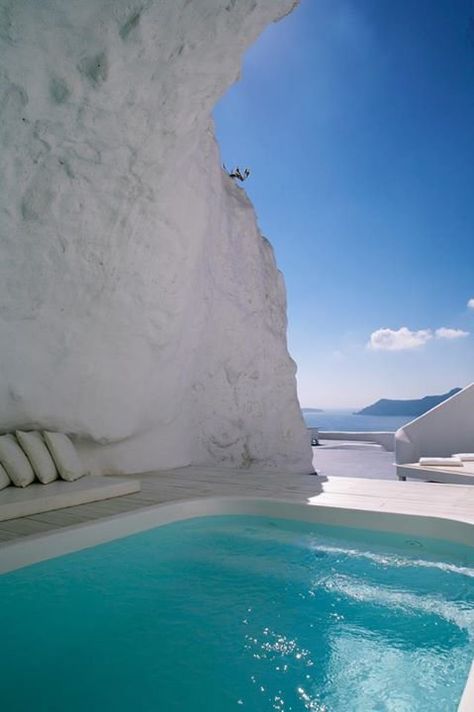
(140, 308)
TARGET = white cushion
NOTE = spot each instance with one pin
(4, 479)
(15, 462)
(38, 455)
(440, 461)
(64, 454)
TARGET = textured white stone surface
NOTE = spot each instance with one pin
(140, 308)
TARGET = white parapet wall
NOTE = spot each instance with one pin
(384, 438)
(445, 429)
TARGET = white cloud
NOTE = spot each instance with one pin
(401, 340)
(405, 339)
(470, 303)
(444, 333)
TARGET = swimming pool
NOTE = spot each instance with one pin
(241, 612)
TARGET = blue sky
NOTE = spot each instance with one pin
(356, 118)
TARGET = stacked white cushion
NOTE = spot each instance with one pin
(465, 456)
(15, 462)
(4, 479)
(64, 454)
(38, 455)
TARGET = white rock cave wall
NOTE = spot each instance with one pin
(140, 308)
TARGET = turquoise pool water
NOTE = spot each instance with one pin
(240, 613)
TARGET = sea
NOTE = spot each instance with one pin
(346, 421)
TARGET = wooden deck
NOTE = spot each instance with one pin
(451, 501)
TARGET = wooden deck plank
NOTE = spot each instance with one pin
(189, 483)
(24, 526)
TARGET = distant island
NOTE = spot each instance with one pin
(414, 408)
(312, 410)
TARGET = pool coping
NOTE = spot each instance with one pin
(33, 549)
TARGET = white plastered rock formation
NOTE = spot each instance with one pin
(140, 308)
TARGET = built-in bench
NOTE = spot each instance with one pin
(23, 502)
(459, 475)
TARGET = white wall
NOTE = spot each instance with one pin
(140, 308)
(384, 438)
(445, 429)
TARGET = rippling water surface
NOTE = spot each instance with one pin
(230, 613)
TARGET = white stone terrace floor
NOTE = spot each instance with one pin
(352, 475)
(336, 458)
